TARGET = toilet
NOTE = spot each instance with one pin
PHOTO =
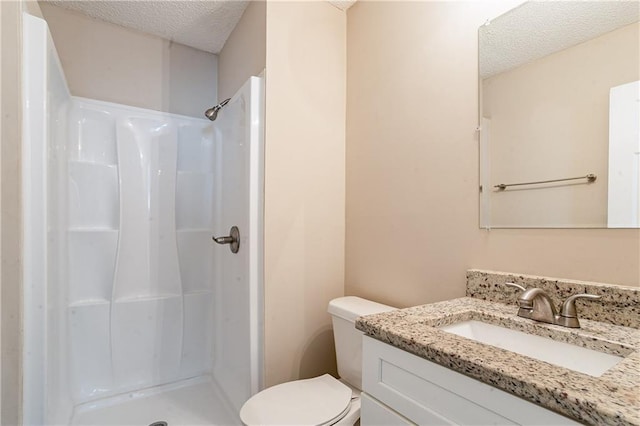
(321, 400)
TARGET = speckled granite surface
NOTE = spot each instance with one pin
(612, 399)
(618, 304)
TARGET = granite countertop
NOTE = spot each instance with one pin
(612, 399)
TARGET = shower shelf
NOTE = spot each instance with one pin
(146, 298)
(87, 229)
(89, 302)
(92, 163)
(195, 172)
(196, 292)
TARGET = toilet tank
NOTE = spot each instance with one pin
(344, 312)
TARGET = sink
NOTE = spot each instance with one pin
(562, 354)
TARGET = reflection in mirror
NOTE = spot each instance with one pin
(560, 99)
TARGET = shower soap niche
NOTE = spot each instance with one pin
(195, 251)
(197, 342)
(194, 200)
(90, 350)
(93, 195)
(196, 148)
(92, 134)
(92, 259)
(146, 341)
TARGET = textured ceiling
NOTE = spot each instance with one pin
(204, 25)
(539, 28)
(342, 4)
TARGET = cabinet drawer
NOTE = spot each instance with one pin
(427, 393)
(373, 413)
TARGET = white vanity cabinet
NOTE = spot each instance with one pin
(402, 388)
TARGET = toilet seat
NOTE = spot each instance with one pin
(320, 401)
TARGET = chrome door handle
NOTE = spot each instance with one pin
(233, 239)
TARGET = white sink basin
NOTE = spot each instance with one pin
(561, 354)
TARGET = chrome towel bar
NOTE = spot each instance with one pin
(590, 178)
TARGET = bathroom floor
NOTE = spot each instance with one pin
(199, 402)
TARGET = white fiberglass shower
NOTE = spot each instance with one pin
(132, 314)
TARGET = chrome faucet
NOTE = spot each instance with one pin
(535, 304)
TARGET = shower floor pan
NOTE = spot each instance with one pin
(197, 401)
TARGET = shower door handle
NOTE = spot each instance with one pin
(233, 239)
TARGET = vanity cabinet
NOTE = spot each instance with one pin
(402, 388)
(374, 413)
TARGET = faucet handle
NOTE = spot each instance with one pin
(569, 306)
(516, 286)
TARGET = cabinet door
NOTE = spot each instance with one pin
(373, 413)
(429, 394)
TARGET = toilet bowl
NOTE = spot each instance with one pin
(322, 400)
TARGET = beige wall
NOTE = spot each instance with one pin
(0, 218)
(244, 53)
(549, 120)
(10, 225)
(111, 63)
(304, 185)
(412, 165)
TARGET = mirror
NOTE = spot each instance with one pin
(560, 116)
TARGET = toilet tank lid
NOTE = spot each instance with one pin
(352, 307)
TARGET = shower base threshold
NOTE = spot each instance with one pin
(196, 401)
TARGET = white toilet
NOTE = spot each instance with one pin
(322, 400)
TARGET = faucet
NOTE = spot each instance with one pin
(535, 304)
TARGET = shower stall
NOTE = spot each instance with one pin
(133, 315)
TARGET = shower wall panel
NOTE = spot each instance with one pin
(140, 264)
(45, 117)
(238, 289)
